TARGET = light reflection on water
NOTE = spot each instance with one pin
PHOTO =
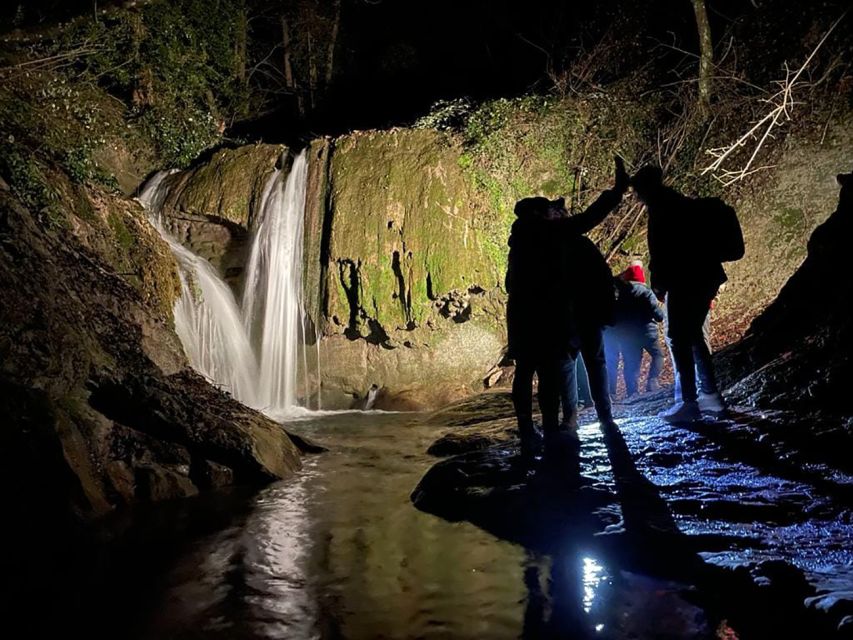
(338, 551)
(592, 576)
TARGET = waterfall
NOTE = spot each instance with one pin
(273, 310)
(208, 322)
(220, 337)
(207, 318)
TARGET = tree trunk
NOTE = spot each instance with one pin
(240, 41)
(289, 81)
(312, 72)
(333, 41)
(241, 38)
(706, 56)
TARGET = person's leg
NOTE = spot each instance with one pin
(611, 357)
(684, 332)
(686, 311)
(584, 394)
(569, 390)
(676, 387)
(653, 348)
(632, 357)
(710, 399)
(548, 372)
(592, 346)
(522, 395)
(706, 380)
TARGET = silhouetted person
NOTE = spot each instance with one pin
(546, 282)
(704, 377)
(592, 296)
(688, 240)
(635, 318)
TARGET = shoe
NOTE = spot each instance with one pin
(711, 403)
(653, 385)
(561, 442)
(687, 411)
(608, 425)
(531, 445)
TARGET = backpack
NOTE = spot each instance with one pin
(724, 235)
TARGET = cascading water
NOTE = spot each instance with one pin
(209, 324)
(217, 334)
(207, 319)
(273, 312)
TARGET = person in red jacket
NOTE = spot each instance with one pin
(634, 330)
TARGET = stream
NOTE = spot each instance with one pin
(338, 551)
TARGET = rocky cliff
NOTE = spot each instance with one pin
(101, 408)
(796, 353)
(405, 232)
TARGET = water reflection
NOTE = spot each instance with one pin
(561, 605)
(339, 551)
(592, 576)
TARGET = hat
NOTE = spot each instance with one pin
(531, 207)
(634, 273)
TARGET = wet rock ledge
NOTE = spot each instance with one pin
(100, 408)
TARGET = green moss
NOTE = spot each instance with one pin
(790, 218)
(404, 193)
(122, 234)
(229, 183)
(26, 178)
(790, 223)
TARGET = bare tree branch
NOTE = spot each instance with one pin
(781, 104)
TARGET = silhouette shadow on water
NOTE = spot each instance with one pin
(571, 524)
(649, 540)
(543, 505)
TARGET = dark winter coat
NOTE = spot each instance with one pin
(681, 257)
(551, 268)
(637, 310)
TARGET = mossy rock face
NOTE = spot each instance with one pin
(405, 229)
(229, 186)
(417, 223)
(426, 367)
(317, 225)
(779, 209)
(210, 209)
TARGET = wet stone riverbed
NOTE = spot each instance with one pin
(650, 532)
(763, 537)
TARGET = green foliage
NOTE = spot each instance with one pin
(176, 63)
(180, 135)
(446, 115)
(60, 121)
(25, 177)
